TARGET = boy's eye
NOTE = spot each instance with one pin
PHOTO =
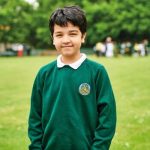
(73, 34)
(58, 35)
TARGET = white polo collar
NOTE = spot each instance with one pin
(74, 65)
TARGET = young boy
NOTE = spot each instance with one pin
(72, 102)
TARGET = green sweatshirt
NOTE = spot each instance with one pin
(72, 109)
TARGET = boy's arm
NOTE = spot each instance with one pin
(35, 126)
(106, 113)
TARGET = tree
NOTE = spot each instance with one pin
(15, 15)
(125, 20)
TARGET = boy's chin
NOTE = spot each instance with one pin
(68, 54)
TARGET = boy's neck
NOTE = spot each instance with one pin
(69, 59)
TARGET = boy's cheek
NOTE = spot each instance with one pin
(55, 42)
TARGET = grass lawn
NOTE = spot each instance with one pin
(130, 79)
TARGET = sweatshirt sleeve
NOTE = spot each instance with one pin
(106, 108)
(35, 132)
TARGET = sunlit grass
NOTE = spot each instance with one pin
(130, 78)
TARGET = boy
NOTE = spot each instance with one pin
(72, 103)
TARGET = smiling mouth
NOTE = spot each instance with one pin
(67, 46)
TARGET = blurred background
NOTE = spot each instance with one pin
(118, 37)
(24, 25)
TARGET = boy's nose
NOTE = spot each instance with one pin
(66, 39)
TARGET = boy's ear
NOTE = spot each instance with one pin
(53, 41)
(51, 37)
(83, 37)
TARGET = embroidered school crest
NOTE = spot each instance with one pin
(84, 89)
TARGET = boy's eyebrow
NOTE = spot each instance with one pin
(73, 31)
(58, 32)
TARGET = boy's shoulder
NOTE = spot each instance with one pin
(48, 67)
(93, 64)
(96, 68)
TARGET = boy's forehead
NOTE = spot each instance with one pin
(68, 26)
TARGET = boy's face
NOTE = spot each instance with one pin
(68, 40)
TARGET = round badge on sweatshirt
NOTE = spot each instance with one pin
(84, 89)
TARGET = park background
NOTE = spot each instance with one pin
(27, 23)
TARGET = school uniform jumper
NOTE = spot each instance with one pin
(72, 107)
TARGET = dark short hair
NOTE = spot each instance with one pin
(72, 14)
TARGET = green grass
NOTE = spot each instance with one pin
(130, 78)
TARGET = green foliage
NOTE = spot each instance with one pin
(125, 20)
(130, 81)
(15, 14)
